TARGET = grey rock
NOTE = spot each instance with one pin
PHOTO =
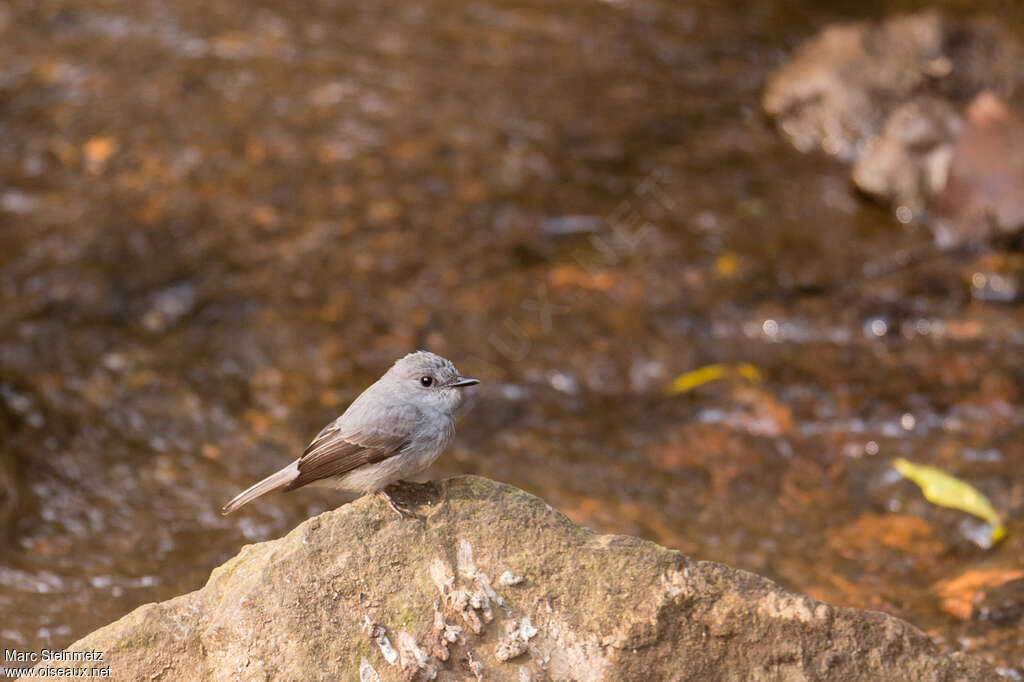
(889, 98)
(357, 594)
(908, 163)
(840, 88)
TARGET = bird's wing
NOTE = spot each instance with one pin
(337, 450)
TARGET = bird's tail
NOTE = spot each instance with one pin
(271, 482)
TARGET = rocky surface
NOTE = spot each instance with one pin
(492, 583)
(907, 164)
(890, 99)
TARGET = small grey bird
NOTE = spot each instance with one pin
(396, 428)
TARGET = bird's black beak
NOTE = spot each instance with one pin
(462, 382)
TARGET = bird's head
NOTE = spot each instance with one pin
(429, 380)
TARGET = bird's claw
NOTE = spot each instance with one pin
(403, 512)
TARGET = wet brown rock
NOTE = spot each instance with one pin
(889, 98)
(812, 102)
(907, 165)
(840, 88)
(357, 594)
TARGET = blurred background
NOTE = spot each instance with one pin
(220, 221)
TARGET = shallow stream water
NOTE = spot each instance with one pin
(219, 221)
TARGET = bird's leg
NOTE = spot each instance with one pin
(397, 508)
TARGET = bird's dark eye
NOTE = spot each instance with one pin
(426, 381)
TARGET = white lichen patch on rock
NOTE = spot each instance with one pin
(442, 635)
(473, 607)
(508, 579)
(475, 666)
(367, 672)
(516, 641)
(573, 651)
(413, 659)
(792, 607)
(379, 635)
(468, 570)
(675, 583)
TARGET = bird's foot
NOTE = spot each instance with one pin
(397, 508)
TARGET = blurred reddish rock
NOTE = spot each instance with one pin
(985, 191)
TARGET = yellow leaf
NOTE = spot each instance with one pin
(698, 377)
(947, 491)
(748, 371)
